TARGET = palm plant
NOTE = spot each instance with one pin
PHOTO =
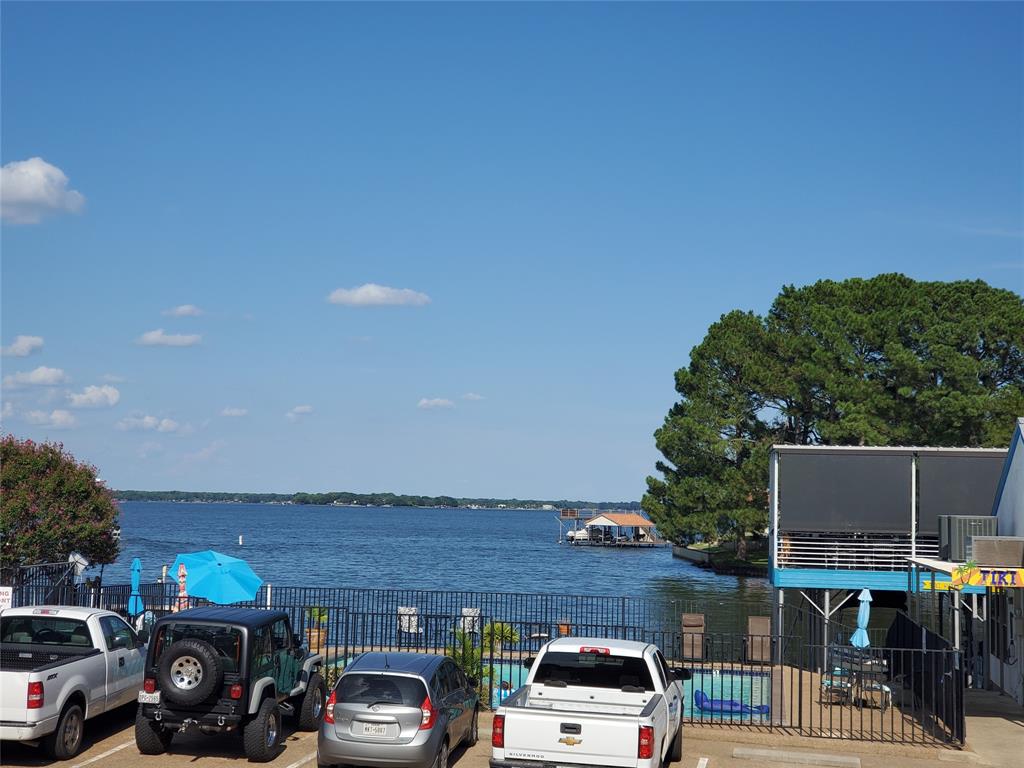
(498, 633)
(468, 657)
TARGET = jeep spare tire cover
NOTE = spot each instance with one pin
(190, 670)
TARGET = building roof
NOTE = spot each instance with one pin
(623, 519)
(891, 450)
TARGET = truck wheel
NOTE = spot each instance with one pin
(311, 712)
(190, 670)
(262, 734)
(65, 742)
(151, 738)
(676, 752)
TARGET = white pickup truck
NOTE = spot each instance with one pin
(595, 702)
(60, 666)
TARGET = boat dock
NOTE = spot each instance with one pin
(594, 528)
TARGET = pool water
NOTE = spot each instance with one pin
(746, 687)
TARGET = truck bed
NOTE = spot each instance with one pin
(33, 657)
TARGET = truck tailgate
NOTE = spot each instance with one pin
(14, 696)
(571, 737)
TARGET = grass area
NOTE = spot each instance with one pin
(755, 559)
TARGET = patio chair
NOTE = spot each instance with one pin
(564, 629)
(758, 642)
(409, 622)
(693, 626)
(470, 620)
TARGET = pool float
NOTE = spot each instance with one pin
(704, 704)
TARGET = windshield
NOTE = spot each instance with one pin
(358, 688)
(594, 670)
(45, 630)
(227, 641)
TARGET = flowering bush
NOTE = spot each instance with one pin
(52, 505)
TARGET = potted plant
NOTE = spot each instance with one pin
(317, 616)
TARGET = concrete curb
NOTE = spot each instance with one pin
(795, 758)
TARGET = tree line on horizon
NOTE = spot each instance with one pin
(362, 499)
(880, 361)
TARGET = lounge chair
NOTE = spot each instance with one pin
(409, 622)
(470, 620)
(693, 626)
(758, 642)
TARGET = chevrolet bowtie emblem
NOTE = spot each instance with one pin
(570, 741)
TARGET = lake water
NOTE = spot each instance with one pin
(444, 549)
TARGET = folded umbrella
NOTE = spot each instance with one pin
(859, 639)
(135, 606)
(218, 578)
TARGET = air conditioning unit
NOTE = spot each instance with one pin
(957, 532)
(999, 550)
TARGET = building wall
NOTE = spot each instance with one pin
(1009, 504)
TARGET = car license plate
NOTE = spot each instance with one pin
(149, 698)
(374, 729)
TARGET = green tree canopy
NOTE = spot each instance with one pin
(882, 361)
(52, 505)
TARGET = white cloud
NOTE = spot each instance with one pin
(31, 189)
(40, 377)
(158, 338)
(8, 410)
(149, 448)
(207, 453)
(95, 397)
(113, 378)
(472, 396)
(56, 419)
(184, 310)
(434, 402)
(373, 295)
(297, 411)
(234, 411)
(151, 423)
(23, 346)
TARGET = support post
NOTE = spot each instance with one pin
(913, 506)
(269, 588)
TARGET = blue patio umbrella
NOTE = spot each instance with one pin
(859, 639)
(135, 606)
(217, 577)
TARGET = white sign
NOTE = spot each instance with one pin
(6, 597)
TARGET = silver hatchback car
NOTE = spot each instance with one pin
(398, 709)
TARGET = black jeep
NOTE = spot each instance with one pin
(227, 669)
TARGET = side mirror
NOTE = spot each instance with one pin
(528, 661)
(682, 673)
(143, 635)
(473, 682)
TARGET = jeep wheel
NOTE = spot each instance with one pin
(311, 712)
(151, 738)
(474, 729)
(65, 742)
(262, 734)
(190, 670)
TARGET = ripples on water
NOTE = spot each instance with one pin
(398, 547)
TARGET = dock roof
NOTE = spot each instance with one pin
(621, 519)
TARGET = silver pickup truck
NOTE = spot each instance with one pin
(60, 666)
(593, 702)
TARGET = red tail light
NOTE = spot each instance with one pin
(236, 691)
(149, 685)
(498, 732)
(35, 695)
(329, 712)
(645, 745)
(429, 714)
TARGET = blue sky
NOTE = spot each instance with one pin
(579, 191)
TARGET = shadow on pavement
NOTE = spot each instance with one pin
(116, 725)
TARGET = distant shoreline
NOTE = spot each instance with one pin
(366, 500)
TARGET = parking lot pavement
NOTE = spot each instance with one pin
(110, 743)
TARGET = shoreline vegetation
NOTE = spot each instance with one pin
(346, 499)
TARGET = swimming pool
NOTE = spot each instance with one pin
(747, 687)
(751, 690)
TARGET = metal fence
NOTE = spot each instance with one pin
(909, 690)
